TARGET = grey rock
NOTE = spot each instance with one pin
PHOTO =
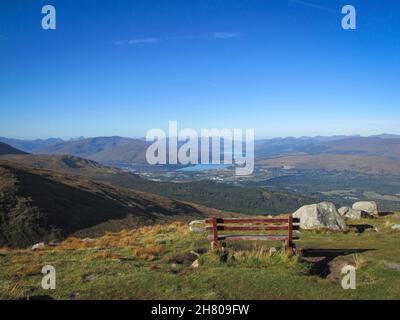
(343, 210)
(368, 206)
(320, 216)
(392, 265)
(195, 253)
(357, 214)
(89, 277)
(354, 214)
(195, 264)
(37, 246)
(396, 227)
(272, 251)
(74, 295)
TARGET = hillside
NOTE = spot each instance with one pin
(30, 146)
(211, 194)
(382, 145)
(102, 149)
(375, 146)
(155, 263)
(37, 205)
(367, 164)
(7, 149)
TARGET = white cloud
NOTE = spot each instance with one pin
(215, 35)
(225, 35)
(312, 5)
(138, 41)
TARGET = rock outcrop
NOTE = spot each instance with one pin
(320, 216)
(350, 213)
(368, 206)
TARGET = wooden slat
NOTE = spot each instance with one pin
(215, 230)
(290, 233)
(248, 220)
(251, 237)
(252, 220)
(244, 228)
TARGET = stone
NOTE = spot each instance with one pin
(320, 216)
(357, 214)
(368, 206)
(89, 277)
(272, 251)
(392, 265)
(343, 210)
(37, 246)
(396, 227)
(74, 295)
(195, 264)
(195, 253)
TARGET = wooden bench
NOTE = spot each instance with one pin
(252, 224)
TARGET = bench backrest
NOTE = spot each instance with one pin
(253, 224)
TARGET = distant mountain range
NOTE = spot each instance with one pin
(30, 146)
(129, 150)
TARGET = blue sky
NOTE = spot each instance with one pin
(282, 67)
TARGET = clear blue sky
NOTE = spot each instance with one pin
(282, 67)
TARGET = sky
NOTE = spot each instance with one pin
(280, 67)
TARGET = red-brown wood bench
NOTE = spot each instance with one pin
(252, 224)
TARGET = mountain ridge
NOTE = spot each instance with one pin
(41, 205)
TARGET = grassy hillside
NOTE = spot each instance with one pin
(155, 263)
(106, 149)
(7, 149)
(215, 195)
(228, 197)
(30, 146)
(37, 205)
(340, 162)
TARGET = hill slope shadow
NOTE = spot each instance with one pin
(37, 207)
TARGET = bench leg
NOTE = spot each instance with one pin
(289, 247)
(215, 245)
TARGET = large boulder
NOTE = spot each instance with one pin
(320, 216)
(350, 213)
(343, 211)
(368, 206)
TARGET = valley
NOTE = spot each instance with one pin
(113, 193)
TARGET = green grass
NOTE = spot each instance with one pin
(145, 264)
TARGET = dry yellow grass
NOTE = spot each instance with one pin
(105, 255)
(73, 243)
(147, 253)
(29, 269)
(21, 259)
(143, 240)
